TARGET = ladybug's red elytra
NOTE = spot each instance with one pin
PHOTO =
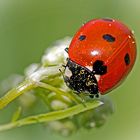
(101, 55)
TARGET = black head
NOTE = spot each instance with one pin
(80, 79)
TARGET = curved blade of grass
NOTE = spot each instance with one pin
(16, 114)
(16, 92)
(52, 116)
(28, 84)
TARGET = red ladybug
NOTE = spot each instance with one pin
(101, 55)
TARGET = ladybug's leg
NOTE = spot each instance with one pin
(62, 70)
(63, 66)
(82, 98)
(91, 95)
(97, 95)
(66, 50)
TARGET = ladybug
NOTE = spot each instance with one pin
(101, 55)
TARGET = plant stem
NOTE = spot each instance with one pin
(52, 116)
(28, 84)
(59, 92)
(16, 92)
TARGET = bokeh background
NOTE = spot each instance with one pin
(28, 27)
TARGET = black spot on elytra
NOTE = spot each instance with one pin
(127, 59)
(108, 38)
(82, 37)
(107, 19)
(99, 67)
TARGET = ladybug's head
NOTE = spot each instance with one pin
(81, 79)
(106, 48)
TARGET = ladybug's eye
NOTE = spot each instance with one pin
(82, 37)
(108, 38)
(127, 59)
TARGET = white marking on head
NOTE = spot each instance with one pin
(89, 67)
(68, 73)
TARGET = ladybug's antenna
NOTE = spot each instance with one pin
(62, 71)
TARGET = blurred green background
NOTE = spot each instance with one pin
(27, 27)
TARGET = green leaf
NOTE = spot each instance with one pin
(16, 114)
(52, 116)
